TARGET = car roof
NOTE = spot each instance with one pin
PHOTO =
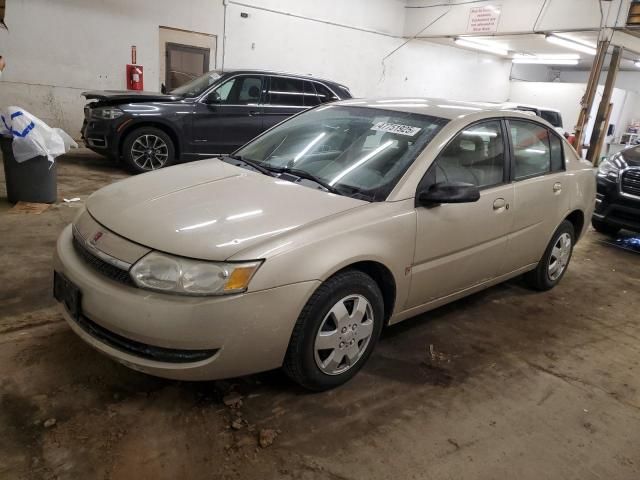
(436, 107)
(283, 74)
(527, 105)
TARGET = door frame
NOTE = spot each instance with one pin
(184, 48)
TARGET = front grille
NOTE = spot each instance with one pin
(143, 350)
(110, 271)
(631, 182)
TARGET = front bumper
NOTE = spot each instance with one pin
(245, 333)
(102, 136)
(615, 209)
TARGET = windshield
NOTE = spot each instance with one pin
(359, 152)
(197, 86)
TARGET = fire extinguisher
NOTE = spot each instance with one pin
(135, 77)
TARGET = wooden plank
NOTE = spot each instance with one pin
(599, 129)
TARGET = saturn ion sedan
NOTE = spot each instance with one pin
(300, 247)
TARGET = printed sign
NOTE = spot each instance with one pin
(484, 19)
(406, 130)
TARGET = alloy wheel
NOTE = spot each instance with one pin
(149, 152)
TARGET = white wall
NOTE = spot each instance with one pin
(561, 96)
(566, 97)
(56, 49)
(82, 45)
(355, 57)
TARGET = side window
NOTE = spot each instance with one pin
(286, 91)
(324, 93)
(310, 96)
(475, 156)
(557, 154)
(244, 90)
(531, 150)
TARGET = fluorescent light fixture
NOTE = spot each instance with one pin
(544, 61)
(553, 56)
(576, 40)
(572, 44)
(485, 47)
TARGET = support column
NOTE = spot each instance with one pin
(600, 127)
(590, 93)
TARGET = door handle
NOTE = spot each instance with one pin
(500, 203)
(557, 187)
(254, 113)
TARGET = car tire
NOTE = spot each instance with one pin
(350, 339)
(148, 148)
(555, 260)
(604, 228)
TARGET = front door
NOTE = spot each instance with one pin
(462, 245)
(229, 116)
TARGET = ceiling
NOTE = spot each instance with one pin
(536, 44)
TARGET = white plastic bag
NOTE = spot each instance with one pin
(32, 137)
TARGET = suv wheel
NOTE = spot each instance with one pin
(147, 149)
(603, 227)
(335, 332)
(555, 260)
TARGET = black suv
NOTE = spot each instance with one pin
(618, 197)
(213, 114)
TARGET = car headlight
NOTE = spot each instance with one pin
(106, 113)
(610, 167)
(169, 274)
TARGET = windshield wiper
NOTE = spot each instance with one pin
(308, 176)
(252, 164)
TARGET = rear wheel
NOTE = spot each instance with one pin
(147, 149)
(555, 260)
(335, 332)
(603, 227)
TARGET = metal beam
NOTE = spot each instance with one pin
(600, 127)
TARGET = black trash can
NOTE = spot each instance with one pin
(34, 180)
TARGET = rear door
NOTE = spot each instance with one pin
(541, 194)
(229, 116)
(462, 245)
(286, 97)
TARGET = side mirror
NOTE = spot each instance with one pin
(453, 192)
(213, 99)
(163, 88)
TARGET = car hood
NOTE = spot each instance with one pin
(631, 156)
(128, 96)
(209, 209)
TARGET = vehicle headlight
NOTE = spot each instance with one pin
(106, 113)
(610, 167)
(169, 274)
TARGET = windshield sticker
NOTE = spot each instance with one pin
(406, 130)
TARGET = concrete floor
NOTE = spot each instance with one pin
(505, 384)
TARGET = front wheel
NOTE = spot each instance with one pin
(335, 332)
(147, 149)
(555, 260)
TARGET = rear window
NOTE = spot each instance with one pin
(553, 118)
